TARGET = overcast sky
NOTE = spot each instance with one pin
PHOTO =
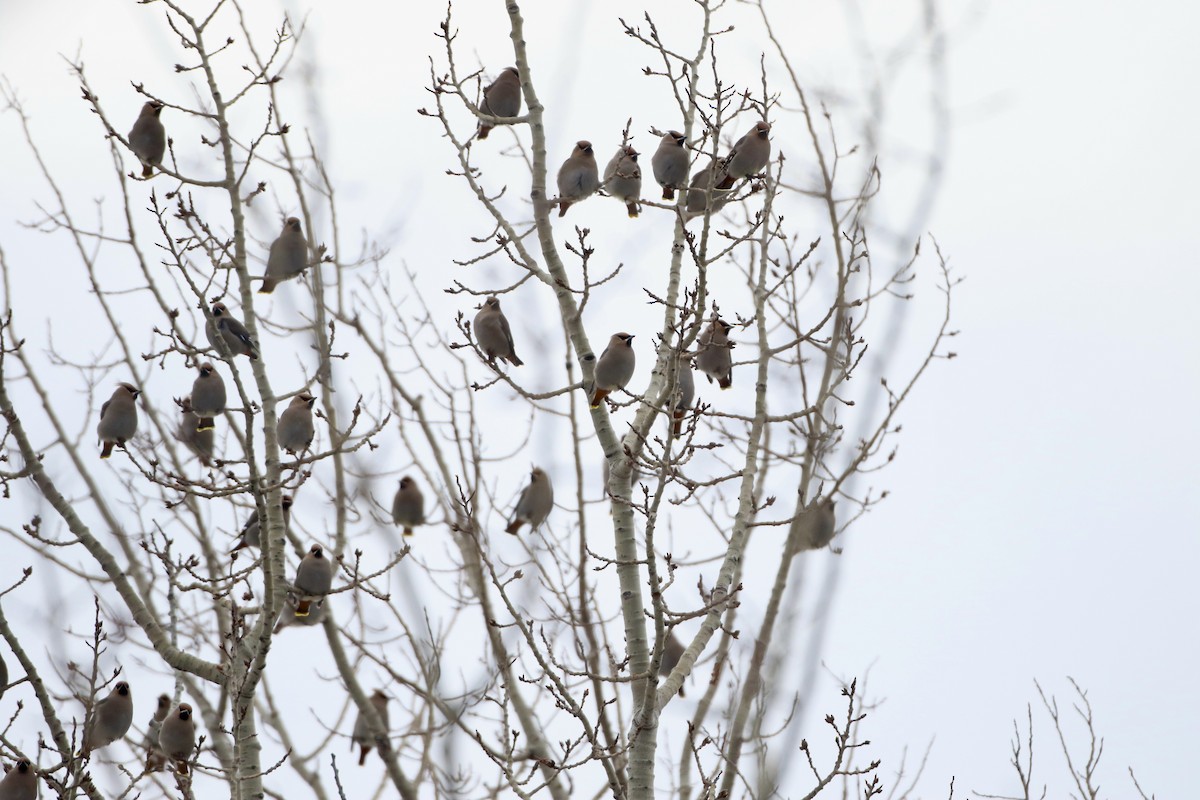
(1044, 513)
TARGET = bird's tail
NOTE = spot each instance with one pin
(514, 526)
(668, 193)
(678, 427)
(147, 170)
(302, 608)
(726, 381)
(205, 424)
(267, 287)
(563, 205)
(362, 759)
(633, 209)
(516, 362)
(408, 531)
(484, 130)
(106, 451)
(597, 396)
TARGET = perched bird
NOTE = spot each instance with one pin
(118, 418)
(111, 718)
(251, 535)
(156, 759)
(578, 177)
(314, 576)
(685, 387)
(20, 783)
(494, 334)
(670, 164)
(363, 736)
(623, 179)
(534, 504)
(748, 156)
(200, 442)
(673, 650)
(502, 98)
(148, 138)
(232, 332)
(177, 737)
(288, 257)
(208, 396)
(704, 192)
(288, 618)
(614, 368)
(408, 506)
(818, 526)
(295, 429)
(715, 355)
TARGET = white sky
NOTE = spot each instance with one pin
(1043, 519)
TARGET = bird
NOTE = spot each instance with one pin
(156, 759)
(623, 179)
(614, 368)
(714, 356)
(502, 98)
(3, 676)
(232, 332)
(493, 333)
(748, 156)
(208, 396)
(314, 576)
(288, 618)
(177, 737)
(20, 783)
(534, 504)
(578, 177)
(704, 192)
(673, 650)
(685, 387)
(118, 418)
(148, 138)
(819, 525)
(295, 429)
(288, 256)
(363, 736)
(111, 718)
(408, 506)
(670, 164)
(200, 442)
(251, 535)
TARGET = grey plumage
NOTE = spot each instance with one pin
(288, 618)
(208, 396)
(685, 387)
(534, 504)
(715, 354)
(177, 737)
(818, 526)
(623, 179)
(502, 98)
(118, 418)
(251, 535)
(578, 177)
(408, 506)
(295, 430)
(314, 576)
(148, 138)
(363, 735)
(288, 256)
(673, 650)
(614, 368)
(493, 333)
(200, 442)
(749, 155)
(20, 783)
(156, 759)
(232, 332)
(704, 192)
(111, 718)
(670, 164)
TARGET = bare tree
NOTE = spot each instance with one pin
(553, 662)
